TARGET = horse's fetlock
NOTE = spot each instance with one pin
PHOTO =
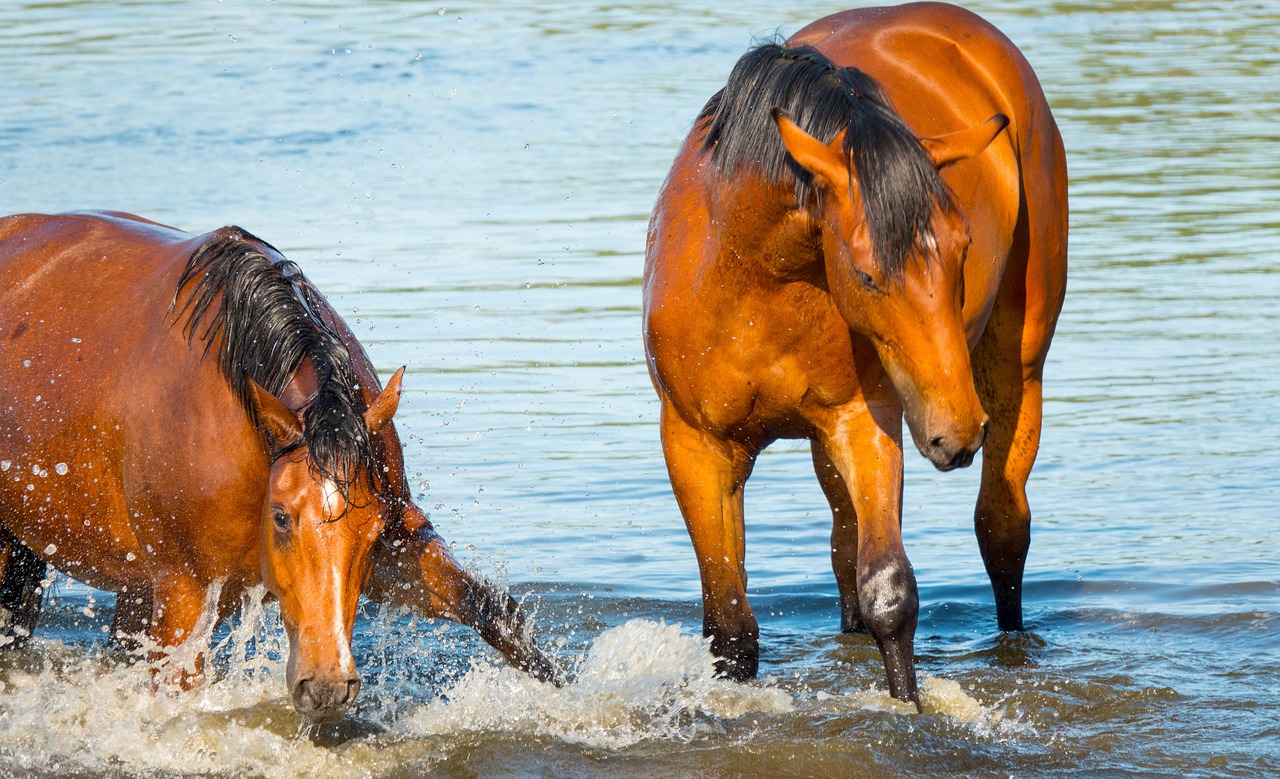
(887, 598)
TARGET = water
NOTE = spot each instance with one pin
(470, 185)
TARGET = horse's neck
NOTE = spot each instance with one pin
(301, 388)
(763, 230)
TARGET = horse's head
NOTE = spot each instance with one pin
(317, 540)
(909, 307)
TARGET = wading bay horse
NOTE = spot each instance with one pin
(183, 417)
(868, 222)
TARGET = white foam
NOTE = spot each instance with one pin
(938, 696)
(641, 680)
(84, 710)
(87, 711)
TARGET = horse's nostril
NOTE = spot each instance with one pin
(937, 441)
(353, 689)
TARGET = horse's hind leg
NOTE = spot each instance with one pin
(844, 538)
(708, 476)
(21, 594)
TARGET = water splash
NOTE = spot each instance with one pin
(938, 697)
(639, 681)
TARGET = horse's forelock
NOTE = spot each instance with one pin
(900, 187)
(263, 317)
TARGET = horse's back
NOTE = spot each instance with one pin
(87, 289)
(928, 47)
(944, 69)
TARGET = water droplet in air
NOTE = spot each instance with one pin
(50, 549)
(5, 464)
(61, 468)
(26, 363)
(441, 11)
(131, 557)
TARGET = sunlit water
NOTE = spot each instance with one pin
(470, 186)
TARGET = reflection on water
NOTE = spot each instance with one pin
(470, 185)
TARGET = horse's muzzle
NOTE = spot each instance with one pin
(947, 455)
(323, 700)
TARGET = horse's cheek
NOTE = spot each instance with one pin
(275, 574)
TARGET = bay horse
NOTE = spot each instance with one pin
(869, 221)
(184, 417)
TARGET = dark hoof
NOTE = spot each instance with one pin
(738, 666)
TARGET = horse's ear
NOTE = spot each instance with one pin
(384, 406)
(283, 425)
(963, 144)
(827, 162)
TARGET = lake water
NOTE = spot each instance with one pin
(470, 186)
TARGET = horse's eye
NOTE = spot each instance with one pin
(281, 519)
(867, 281)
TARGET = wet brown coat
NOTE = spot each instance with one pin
(759, 326)
(127, 462)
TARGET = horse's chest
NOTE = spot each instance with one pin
(768, 371)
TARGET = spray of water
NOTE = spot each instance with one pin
(71, 710)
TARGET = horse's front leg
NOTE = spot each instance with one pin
(178, 601)
(708, 475)
(844, 538)
(415, 569)
(21, 594)
(865, 445)
(132, 617)
(1012, 395)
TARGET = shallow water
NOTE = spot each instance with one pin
(470, 186)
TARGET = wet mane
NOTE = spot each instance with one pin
(267, 313)
(900, 186)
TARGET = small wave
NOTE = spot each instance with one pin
(641, 680)
(939, 697)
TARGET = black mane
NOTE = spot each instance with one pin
(900, 186)
(268, 317)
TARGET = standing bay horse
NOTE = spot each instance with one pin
(868, 222)
(183, 417)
